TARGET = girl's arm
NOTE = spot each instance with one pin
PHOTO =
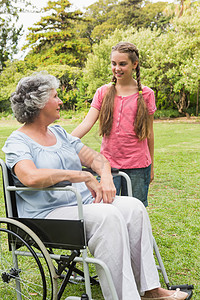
(150, 141)
(87, 123)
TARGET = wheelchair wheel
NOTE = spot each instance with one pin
(26, 269)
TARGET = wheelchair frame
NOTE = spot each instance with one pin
(29, 234)
(16, 228)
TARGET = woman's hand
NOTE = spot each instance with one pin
(108, 188)
(98, 163)
(105, 190)
(95, 188)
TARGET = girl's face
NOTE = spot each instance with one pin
(52, 107)
(122, 66)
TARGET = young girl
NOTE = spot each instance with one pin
(125, 111)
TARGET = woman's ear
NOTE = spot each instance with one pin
(135, 65)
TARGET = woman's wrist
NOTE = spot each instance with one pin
(87, 176)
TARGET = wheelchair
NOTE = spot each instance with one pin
(30, 259)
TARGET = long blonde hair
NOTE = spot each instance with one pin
(141, 124)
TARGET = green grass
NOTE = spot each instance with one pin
(173, 197)
(174, 201)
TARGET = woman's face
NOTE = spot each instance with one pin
(122, 66)
(52, 107)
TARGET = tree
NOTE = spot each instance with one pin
(183, 5)
(169, 58)
(153, 15)
(104, 16)
(188, 26)
(54, 39)
(99, 20)
(9, 78)
(139, 14)
(9, 33)
(16, 70)
(130, 10)
(169, 61)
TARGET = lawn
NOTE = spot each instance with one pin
(173, 196)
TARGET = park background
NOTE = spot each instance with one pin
(74, 45)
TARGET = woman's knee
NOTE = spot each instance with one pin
(131, 208)
(105, 229)
(104, 216)
(128, 203)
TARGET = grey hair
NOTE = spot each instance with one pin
(31, 95)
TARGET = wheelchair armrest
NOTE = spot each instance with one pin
(114, 171)
(63, 186)
(59, 184)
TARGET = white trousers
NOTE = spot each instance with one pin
(120, 235)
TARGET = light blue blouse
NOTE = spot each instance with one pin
(62, 155)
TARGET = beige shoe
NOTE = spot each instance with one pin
(178, 295)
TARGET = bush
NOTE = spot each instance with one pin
(166, 114)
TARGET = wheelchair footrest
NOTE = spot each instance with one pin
(73, 298)
(184, 288)
(83, 297)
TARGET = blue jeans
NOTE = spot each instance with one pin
(140, 179)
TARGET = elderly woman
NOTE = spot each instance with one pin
(118, 229)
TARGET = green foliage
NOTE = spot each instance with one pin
(166, 114)
(75, 47)
(102, 19)
(169, 61)
(153, 15)
(9, 78)
(54, 40)
(163, 100)
(9, 33)
(82, 101)
(145, 14)
(130, 9)
(104, 16)
(67, 75)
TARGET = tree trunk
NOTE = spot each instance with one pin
(181, 9)
(197, 104)
(182, 101)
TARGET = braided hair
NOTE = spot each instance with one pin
(106, 113)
